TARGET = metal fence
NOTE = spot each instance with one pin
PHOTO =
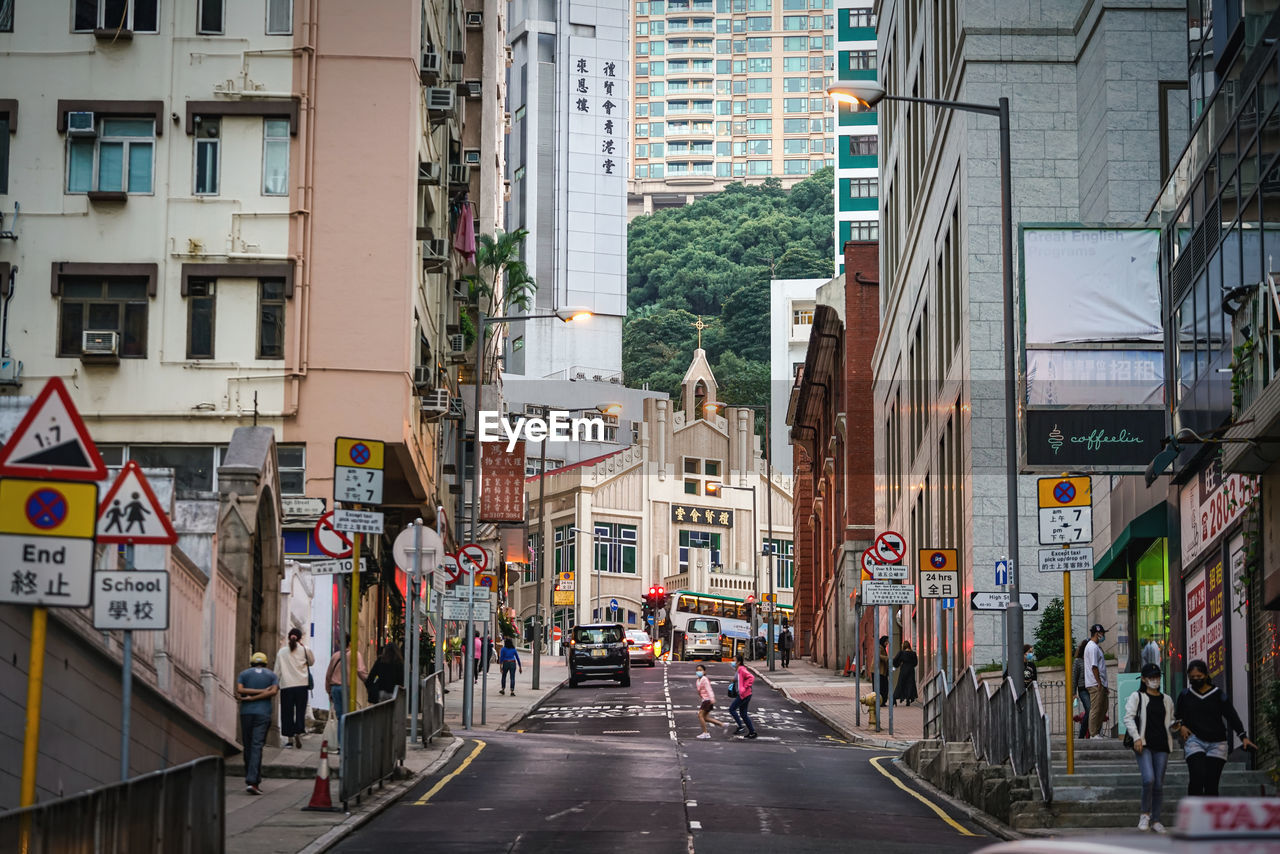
(373, 743)
(179, 810)
(1002, 726)
(431, 706)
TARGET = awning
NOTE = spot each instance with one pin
(1137, 536)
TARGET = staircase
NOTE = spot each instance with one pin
(1106, 789)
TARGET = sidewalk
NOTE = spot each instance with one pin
(830, 698)
(274, 822)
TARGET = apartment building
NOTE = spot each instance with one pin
(791, 306)
(857, 204)
(728, 91)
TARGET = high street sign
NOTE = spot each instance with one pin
(996, 600)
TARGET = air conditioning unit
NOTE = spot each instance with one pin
(436, 402)
(429, 173)
(475, 20)
(457, 348)
(81, 124)
(424, 377)
(441, 101)
(510, 57)
(10, 372)
(429, 70)
(100, 345)
(472, 88)
(460, 290)
(471, 156)
(456, 409)
(435, 253)
(459, 175)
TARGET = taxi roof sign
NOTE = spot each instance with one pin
(1220, 818)
(51, 441)
(1064, 492)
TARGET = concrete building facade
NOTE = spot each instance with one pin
(791, 306)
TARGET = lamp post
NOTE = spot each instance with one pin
(713, 488)
(866, 94)
(599, 538)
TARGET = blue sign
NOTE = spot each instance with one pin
(613, 603)
(948, 604)
(1002, 572)
(648, 619)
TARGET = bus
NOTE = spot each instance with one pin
(710, 626)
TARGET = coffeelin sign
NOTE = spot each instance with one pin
(1093, 439)
(558, 426)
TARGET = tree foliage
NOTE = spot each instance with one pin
(714, 259)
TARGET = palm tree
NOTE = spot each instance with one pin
(495, 256)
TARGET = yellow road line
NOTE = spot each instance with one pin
(456, 771)
(963, 831)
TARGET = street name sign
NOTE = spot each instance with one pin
(939, 584)
(1065, 525)
(337, 566)
(46, 542)
(887, 593)
(302, 506)
(358, 521)
(1066, 560)
(357, 472)
(131, 599)
(996, 600)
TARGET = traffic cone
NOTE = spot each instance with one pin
(848, 665)
(320, 798)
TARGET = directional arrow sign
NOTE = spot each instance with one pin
(997, 601)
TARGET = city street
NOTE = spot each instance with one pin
(604, 768)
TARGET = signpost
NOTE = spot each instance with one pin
(890, 547)
(998, 600)
(329, 539)
(473, 559)
(358, 521)
(357, 479)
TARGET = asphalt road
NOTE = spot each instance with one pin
(601, 768)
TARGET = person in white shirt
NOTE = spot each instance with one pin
(293, 668)
(1151, 653)
(1095, 678)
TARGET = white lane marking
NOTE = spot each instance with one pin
(695, 825)
(620, 731)
(691, 803)
(576, 809)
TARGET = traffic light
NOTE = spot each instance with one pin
(751, 605)
(656, 599)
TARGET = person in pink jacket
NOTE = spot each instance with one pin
(708, 703)
(743, 680)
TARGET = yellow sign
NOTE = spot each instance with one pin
(938, 560)
(358, 453)
(486, 579)
(563, 597)
(1064, 491)
(566, 576)
(48, 508)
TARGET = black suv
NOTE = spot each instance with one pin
(599, 651)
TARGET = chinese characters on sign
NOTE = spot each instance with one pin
(1210, 504)
(602, 82)
(1205, 605)
(701, 515)
(131, 600)
(501, 482)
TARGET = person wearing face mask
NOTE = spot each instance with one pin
(1095, 678)
(1203, 713)
(708, 702)
(1030, 672)
(1149, 720)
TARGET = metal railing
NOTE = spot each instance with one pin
(933, 694)
(180, 810)
(431, 706)
(373, 743)
(1002, 726)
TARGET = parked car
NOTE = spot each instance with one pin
(640, 646)
(599, 651)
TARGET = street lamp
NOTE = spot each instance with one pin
(864, 94)
(712, 489)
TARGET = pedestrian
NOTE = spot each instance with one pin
(703, 685)
(293, 669)
(509, 660)
(1082, 693)
(1151, 652)
(1203, 713)
(1149, 721)
(1029, 670)
(785, 642)
(884, 670)
(387, 674)
(254, 689)
(905, 661)
(741, 693)
(1095, 678)
(478, 650)
(452, 653)
(335, 681)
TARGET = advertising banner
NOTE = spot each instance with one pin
(1210, 504)
(501, 482)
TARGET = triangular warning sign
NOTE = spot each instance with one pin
(130, 512)
(51, 441)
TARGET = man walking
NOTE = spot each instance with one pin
(1095, 678)
(254, 689)
(784, 645)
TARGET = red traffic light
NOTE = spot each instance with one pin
(662, 591)
(653, 592)
(751, 598)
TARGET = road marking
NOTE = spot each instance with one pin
(961, 829)
(576, 809)
(695, 825)
(620, 731)
(456, 771)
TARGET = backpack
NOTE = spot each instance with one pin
(733, 687)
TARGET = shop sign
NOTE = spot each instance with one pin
(1210, 504)
(1206, 602)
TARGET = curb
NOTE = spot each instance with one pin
(384, 799)
(537, 704)
(857, 738)
(987, 822)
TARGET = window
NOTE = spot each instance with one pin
(642, 48)
(795, 44)
(657, 170)
(642, 171)
(784, 563)
(864, 188)
(200, 317)
(795, 63)
(801, 317)
(862, 59)
(279, 17)
(194, 466)
(761, 24)
(642, 150)
(655, 149)
(642, 89)
(208, 134)
(759, 105)
(795, 167)
(759, 45)
(795, 22)
(698, 540)
(722, 170)
(535, 546)
(275, 157)
(739, 170)
(564, 556)
(795, 84)
(615, 548)
(692, 486)
(864, 230)
(795, 125)
(759, 126)
(863, 17)
(658, 108)
(758, 84)
(657, 129)
(211, 19)
(642, 8)
(758, 147)
(105, 304)
(795, 146)
(795, 105)
(759, 6)
(816, 105)
(642, 28)
(642, 128)
(291, 463)
(139, 16)
(739, 66)
(722, 66)
(763, 65)
(794, 5)
(759, 167)
(722, 108)
(271, 319)
(6, 16)
(118, 159)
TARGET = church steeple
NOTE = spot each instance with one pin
(698, 388)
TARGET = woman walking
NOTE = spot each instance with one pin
(884, 670)
(743, 680)
(708, 702)
(905, 662)
(293, 669)
(1148, 719)
(1082, 693)
(386, 675)
(509, 660)
(1204, 712)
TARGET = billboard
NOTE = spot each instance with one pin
(501, 482)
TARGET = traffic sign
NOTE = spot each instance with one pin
(46, 542)
(890, 572)
(939, 584)
(357, 470)
(131, 599)
(478, 593)
(131, 513)
(869, 563)
(1066, 560)
(51, 441)
(565, 585)
(47, 508)
(486, 580)
(887, 593)
(1065, 525)
(555, 633)
(771, 598)
(477, 556)
(997, 600)
(613, 604)
(329, 539)
(1002, 572)
(462, 609)
(947, 604)
(562, 597)
(338, 566)
(358, 453)
(358, 521)
(890, 547)
(939, 560)
(1064, 491)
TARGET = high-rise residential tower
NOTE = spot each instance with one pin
(857, 138)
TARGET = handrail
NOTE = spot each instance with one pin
(373, 743)
(431, 706)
